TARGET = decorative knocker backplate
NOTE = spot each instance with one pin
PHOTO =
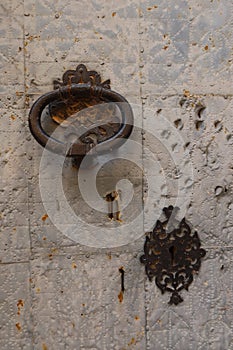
(172, 255)
(102, 118)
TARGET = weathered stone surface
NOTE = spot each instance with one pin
(173, 61)
(76, 301)
(15, 304)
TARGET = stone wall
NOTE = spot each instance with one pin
(172, 60)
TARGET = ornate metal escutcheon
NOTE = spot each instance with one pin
(101, 119)
(172, 254)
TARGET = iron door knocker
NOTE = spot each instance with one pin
(82, 90)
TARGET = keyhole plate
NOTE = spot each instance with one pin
(172, 256)
(172, 251)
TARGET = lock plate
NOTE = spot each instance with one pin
(172, 254)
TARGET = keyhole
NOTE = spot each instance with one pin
(172, 251)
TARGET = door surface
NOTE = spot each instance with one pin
(172, 60)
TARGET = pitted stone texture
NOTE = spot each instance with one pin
(15, 303)
(172, 59)
(186, 46)
(77, 302)
(205, 133)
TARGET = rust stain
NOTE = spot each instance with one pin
(109, 255)
(132, 342)
(19, 93)
(186, 93)
(18, 326)
(37, 290)
(44, 347)
(113, 14)
(44, 217)
(44, 238)
(32, 37)
(136, 318)
(13, 117)
(151, 8)
(165, 47)
(120, 296)
(74, 265)
(206, 47)
(27, 98)
(20, 303)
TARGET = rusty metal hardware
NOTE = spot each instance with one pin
(83, 100)
(172, 255)
(113, 197)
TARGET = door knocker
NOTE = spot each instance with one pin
(102, 118)
(172, 255)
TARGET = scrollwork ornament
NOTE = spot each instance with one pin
(172, 254)
(92, 109)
